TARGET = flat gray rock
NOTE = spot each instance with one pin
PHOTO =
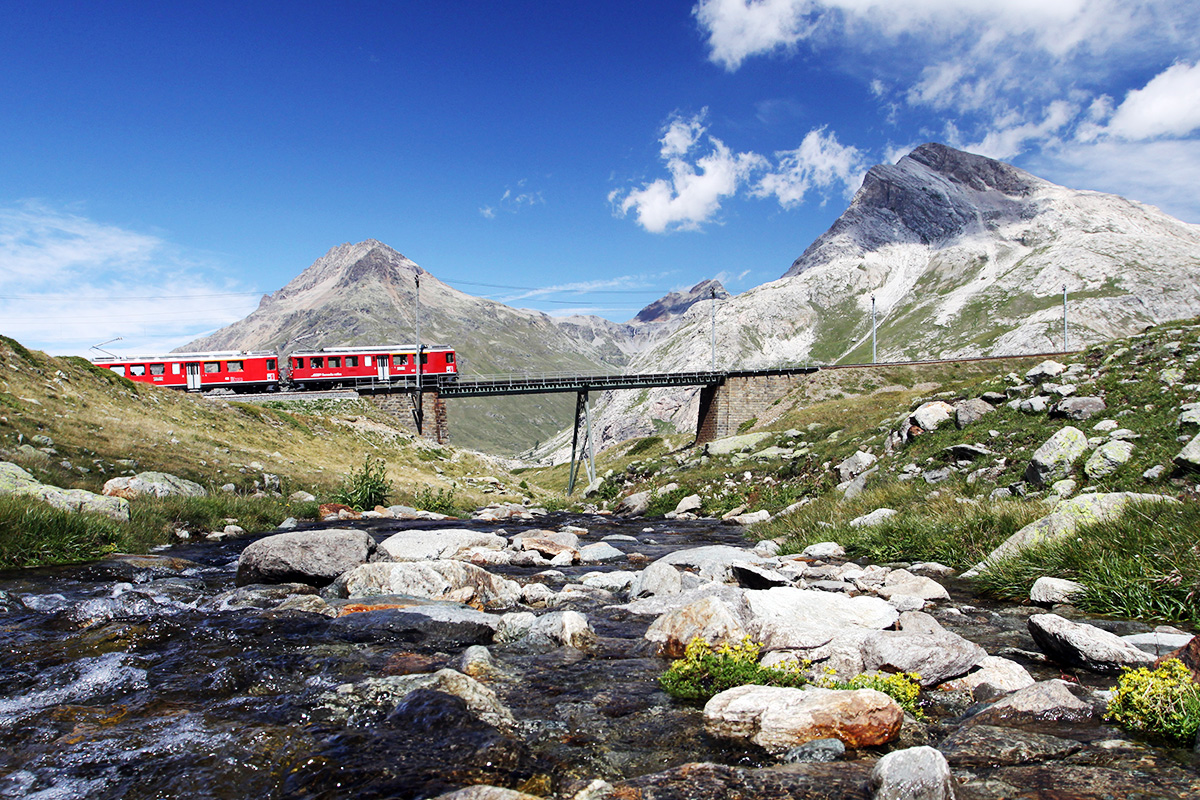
(1077, 644)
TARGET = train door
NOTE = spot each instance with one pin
(383, 367)
(193, 376)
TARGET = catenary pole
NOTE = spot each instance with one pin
(712, 293)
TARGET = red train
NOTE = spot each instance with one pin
(355, 366)
(231, 369)
(309, 369)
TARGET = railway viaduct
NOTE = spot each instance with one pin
(727, 399)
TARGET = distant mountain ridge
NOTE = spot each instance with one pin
(365, 293)
(963, 256)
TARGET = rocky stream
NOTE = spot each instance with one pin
(453, 654)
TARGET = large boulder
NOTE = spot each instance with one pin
(918, 773)
(1081, 408)
(17, 481)
(441, 625)
(936, 657)
(1045, 701)
(711, 561)
(1189, 457)
(929, 416)
(712, 619)
(1067, 516)
(635, 504)
(373, 699)
(417, 545)
(778, 719)
(312, 557)
(1044, 370)
(1107, 459)
(999, 674)
(856, 464)
(1079, 645)
(973, 410)
(438, 580)
(1053, 460)
(787, 606)
(735, 444)
(155, 484)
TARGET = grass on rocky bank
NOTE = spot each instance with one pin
(1144, 564)
(33, 533)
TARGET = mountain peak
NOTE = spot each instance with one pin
(675, 303)
(931, 196)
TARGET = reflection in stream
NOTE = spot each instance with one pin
(149, 678)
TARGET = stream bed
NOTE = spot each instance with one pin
(150, 677)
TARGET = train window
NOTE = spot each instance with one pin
(449, 358)
(175, 368)
(399, 360)
(317, 362)
(233, 366)
(117, 368)
(297, 363)
(366, 361)
(137, 369)
(424, 358)
(335, 361)
(212, 366)
(352, 361)
(158, 369)
(270, 363)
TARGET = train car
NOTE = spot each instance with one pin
(234, 369)
(358, 366)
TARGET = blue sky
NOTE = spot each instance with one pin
(164, 164)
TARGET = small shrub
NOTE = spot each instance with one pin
(1162, 702)
(704, 672)
(367, 487)
(440, 502)
(903, 687)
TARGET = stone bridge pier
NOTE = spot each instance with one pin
(741, 397)
(403, 406)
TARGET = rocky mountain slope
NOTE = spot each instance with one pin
(365, 293)
(963, 256)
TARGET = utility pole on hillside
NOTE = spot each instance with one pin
(874, 360)
(712, 293)
(1065, 347)
(419, 406)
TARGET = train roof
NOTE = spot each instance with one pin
(208, 355)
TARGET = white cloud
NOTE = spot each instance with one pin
(702, 175)
(70, 282)
(819, 162)
(739, 29)
(1009, 140)
(1169, 105)
(513, 201)
(1162, 173)
(693, 194)
(999, 72)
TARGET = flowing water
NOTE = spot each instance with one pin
(151, 678)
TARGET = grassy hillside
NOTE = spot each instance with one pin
(1144, 564)
(98, 425)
